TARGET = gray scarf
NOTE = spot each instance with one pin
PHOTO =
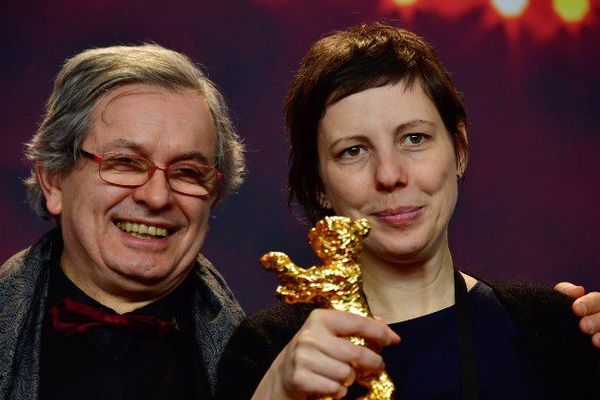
(23, 292)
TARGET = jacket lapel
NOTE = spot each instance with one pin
(216, 315)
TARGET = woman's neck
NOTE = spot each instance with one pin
(399, 292)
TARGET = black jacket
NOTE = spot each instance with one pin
(557, 352)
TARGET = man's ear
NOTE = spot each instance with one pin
(462, 155)
(51, 187)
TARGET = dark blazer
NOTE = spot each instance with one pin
(557, 353)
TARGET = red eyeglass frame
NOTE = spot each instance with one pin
(100, 158)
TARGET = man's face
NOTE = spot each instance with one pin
(164, 126)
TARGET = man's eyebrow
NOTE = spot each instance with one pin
(123, 144)
(192, 155)
(131, 146)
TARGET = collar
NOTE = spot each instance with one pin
(168, 307)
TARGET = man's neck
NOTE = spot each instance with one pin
(115, 299)
(120, 305)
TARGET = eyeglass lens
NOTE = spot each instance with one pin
(187, 178)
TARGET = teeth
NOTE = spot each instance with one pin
(141, 230)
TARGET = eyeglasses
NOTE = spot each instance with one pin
(131, 170)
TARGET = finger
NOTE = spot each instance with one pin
(588, 304)
(307, 382)
(312, 358)
(590, 324)
(350, 354)
(347, 324)
(573, 291)
(310, 347)
(596, 340)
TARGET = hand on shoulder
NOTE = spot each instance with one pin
(585, 306)
(319, 360)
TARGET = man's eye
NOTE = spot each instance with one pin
(351, 152)
(124, 163)
(125, 160)
(186, 171)
(189, 173)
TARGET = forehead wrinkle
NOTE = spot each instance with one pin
(140, 89)
(124, 143)
(145, 89)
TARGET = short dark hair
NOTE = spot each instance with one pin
(347, 62)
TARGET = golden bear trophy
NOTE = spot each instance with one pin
(336, 284)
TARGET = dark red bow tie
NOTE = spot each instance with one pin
(71, 318)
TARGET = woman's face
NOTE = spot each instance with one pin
(385, 155)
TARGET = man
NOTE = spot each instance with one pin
(135, 148)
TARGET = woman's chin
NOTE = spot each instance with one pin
(406, 250)
(397, 253)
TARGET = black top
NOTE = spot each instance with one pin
(109, 363)
(425, 365)
(526, 337)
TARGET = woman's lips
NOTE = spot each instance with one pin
(399, 216)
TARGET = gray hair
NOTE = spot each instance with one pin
(85, 78)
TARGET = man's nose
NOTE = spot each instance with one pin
(391, 170)
(156, 193)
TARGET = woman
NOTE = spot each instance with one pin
(378, 131)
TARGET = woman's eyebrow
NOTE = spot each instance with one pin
(412, 124)
(360, 138)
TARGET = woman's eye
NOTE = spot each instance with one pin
(414, 139)
(351, 152)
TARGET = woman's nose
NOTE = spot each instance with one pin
(391, 170)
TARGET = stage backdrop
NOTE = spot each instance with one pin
(529, 71)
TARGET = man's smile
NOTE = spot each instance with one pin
(142, 231)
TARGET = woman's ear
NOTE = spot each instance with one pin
(51, 187)
(462, 155)
(323, 201)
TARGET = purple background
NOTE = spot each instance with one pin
(528, 209)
